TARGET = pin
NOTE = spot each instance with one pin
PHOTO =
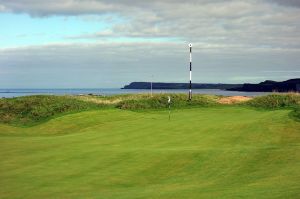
(169, 103)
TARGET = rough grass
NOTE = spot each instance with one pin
(31, 110)
(275, 101)
(160, 101)
(215, 152)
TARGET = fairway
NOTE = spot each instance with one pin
(214, 152)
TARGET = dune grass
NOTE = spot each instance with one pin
(276, 101)
(212, 152)
(31, 110)
(159, 101)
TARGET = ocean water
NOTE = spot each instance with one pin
(9, 93)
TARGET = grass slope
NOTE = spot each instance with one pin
(215, 152)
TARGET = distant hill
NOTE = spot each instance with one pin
(159, 85)
(292, 85)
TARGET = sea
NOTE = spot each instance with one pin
(10, 93)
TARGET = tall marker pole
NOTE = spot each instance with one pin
(190, 91)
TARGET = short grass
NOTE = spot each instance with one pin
(212, 152)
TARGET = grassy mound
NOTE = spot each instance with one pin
(160, 101)
(275, 101)
(33, 109)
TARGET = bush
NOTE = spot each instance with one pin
(275, 101)
(160, 101)
(31, 109)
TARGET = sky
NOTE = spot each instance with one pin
(110, 43)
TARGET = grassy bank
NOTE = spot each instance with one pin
(31, 110)
(159, 101)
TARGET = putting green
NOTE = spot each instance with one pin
(217, 152)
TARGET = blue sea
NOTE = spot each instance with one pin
(9, 93)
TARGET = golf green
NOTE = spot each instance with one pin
(215, 152)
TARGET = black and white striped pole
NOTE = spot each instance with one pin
(190, 87)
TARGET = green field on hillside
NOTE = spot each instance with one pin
(203, 152)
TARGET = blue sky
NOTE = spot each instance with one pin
(23, 30)
(102, 43)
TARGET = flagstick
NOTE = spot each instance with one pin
(169, 112)
(169, 102)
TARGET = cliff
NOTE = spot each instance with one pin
(159, 85)
(292, 85)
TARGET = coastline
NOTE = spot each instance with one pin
(10, 93)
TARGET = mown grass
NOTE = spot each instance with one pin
(202, 152)
(103, 150)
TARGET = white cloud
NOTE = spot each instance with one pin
(217, 22)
